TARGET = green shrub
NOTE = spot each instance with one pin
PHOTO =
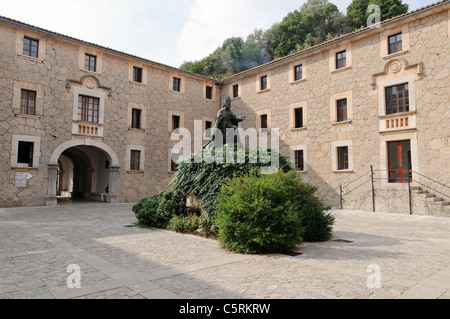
(204, 179)
(270, 213)
(158, 210)
(146, 210)
(258, 213)
(185, 224)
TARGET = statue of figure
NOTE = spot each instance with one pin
(225, 119)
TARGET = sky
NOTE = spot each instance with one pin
(164, 31)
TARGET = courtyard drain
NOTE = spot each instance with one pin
(292, 253)
(343, 241)
(129, 226)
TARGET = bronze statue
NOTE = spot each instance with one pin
(225, 119)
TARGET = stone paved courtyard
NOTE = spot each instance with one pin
(38, 244)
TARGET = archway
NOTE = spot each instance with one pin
(82, 170)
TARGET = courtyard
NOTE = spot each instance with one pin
(371, 256)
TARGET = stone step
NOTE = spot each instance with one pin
(435, 199)
(416, 188)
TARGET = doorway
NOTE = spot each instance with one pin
(399, 161)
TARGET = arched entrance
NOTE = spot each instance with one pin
(82, 170)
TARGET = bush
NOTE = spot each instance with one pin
(270, 213)
(158, 210)
(185, 224)
(258, 214)
(205, 180)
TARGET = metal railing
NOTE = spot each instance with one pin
(409, 179)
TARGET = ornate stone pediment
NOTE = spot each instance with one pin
(398, 66)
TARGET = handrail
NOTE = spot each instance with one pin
(434, 190)
(431, 179)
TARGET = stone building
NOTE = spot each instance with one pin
(355, 114)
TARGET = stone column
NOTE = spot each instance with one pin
(113, 194)
(52, 181)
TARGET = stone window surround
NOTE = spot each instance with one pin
(404, 136)
(77, 91)
(204, 120)
(20, 35)
(213, 93)
(172, 152)
(182, 83)
(292, 66)
(258, 82)
(384, 41)
(82, 51)
(334, 156)
(292, 107)
(303, 148)
(143, 109)
(133, 64)
(392, 81)
(15, 150)
(177, 113)
(347, 47)
(239, 84)
(141, 160)
(333, 106)
(18, 87)
(258, 120)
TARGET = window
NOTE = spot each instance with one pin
(299, 161)
(298, 72)
(236, 91)
(208, 126)
(342, 154)
(30, 47)
(25, 154)
(28, 102)
(341, 60)
(136, 118)
(174, 162)
(176, 85)
(135, 160)
(397, 99)
(175, 122)
(88, 108)
(263, 123)
(298, 117)
(395, 43)
(264, 83)
(137, 74)
(209, 90)
(90, 63)
(341, 110)
(399, 161)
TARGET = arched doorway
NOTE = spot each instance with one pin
(82, 170)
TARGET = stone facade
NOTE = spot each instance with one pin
(101, 153)
(423, 63)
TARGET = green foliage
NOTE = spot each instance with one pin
(158, 210)
(315, 22)
(261, 213)
(185, 224)
(205, 179)
(358, 15)
(270, 213)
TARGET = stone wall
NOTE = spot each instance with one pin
(56, 77)
(424, 65)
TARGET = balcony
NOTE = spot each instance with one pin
(397, 122)
(87, 129)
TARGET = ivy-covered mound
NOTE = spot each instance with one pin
(205, 179)
(249, 211)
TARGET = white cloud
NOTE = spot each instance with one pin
(209, 22)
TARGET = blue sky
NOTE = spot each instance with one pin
(165, 31)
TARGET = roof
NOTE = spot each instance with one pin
(96, 46)
(386, 22)
(280, 60)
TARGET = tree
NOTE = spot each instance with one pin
(358, 15)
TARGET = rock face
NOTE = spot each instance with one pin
(333, 145)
